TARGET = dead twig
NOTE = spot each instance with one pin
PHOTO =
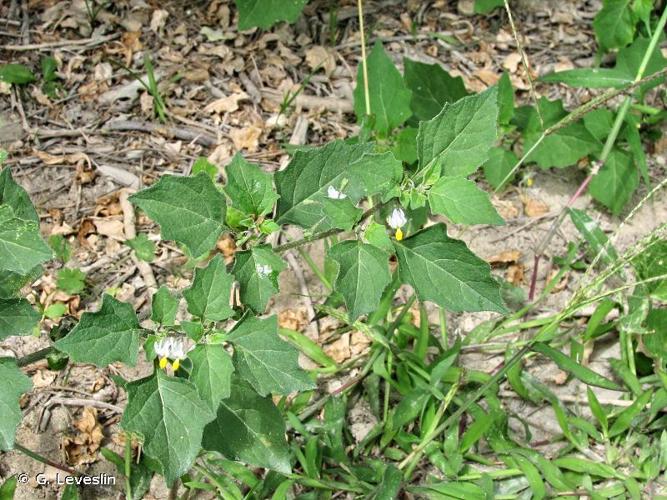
(83, 43)
(131, 233)
(184, 134)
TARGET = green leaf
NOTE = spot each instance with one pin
(211, 373)
(432, 87)
(8, 488)
(486, 6)
(390, 485)
(249, 188)
(505, 99)
(14, 384)
(615, 182)
(16, 73)
(363, 274)
(266, 361)
(376, 234)
(562, 148)
(597, 410)
(446, 272)
(71, 281)
(60, 247)
(458, 139)
(593, 235)
(650, 264)
(614, 25)
(405, 145)
(11, 283)
(208, 297)
(533, 476)
(143, 247)
(591, 78)
(265, 13)
(21, 245)
(202, 164)
(257, 271)
(584, 466)
(55, 311)
(567, 364)
(462, 202)
(170, 416)
(352, 170)
(388, 94)
(104, 337)
(498, 166)
(164, 307)
(624, 419)
(249, 428)
(190, 210)
(17, 317)
(16, 197)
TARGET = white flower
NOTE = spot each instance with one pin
(173, 348)
(334, 194)
(397, 219)
(263, 270)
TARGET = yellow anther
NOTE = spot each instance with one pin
(529, 182)
(163, 363)
(399, 234)
(176, 364)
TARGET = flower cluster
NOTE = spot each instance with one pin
(171, 348)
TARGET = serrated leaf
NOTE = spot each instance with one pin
(211, 373)
(208, 297)
(104, 337)
(249, 428)
(71, 281)
(498, 166)
(388, 94)
(17, 317)
(266, 361)
(16, 73)
(615, 182)
(593, 235)
(143, 247)
(265, 13)
(164, 307)
(249, 187)
(432, 87)
(257, 271)
(14, 384)
(170, 416)
(16, 197)
(462, 202)
(458, 139)
(614, 25)
(363, 274)
(353, 170)
(190, 210)
(21, 245)
(446, 272)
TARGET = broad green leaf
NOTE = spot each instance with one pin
(352, 170)
(8, 488)
(432, 87)
(562, 148)
(498, 166)
(599, 123)
(208, 297)
(257, 271)
(17, 317)
(170, 416)
(446, 272)
(405, 145)
(389, 96)
(55, 311)
(631, 134)
(16, 197)
(591, 78)
(249, 428)
(486, 6)
(14, 384)
(211, 373)
(615, 182)
(164, 307)
(266, 361)
(656, 341)
(16, 73)
(593, 235)
(650, 264)
(70, 492)
(458, 139)
(202, 164)
(21, 246)
(363, 274)
(265, 13)
(70, 280)
(376, 234)
(143, 247)
(614, 25)
(567, 364)
(61, 247)
(11, 283)
(190, 210)
(104, 337)
(505, 99)
(249, 188)
(462, 202)
(629, 60)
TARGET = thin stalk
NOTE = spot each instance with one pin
(128, 466)
(36, 456)
(364, 66)
(443, 328)
(314, 268)
(33, 357)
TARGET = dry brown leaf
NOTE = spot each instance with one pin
(505, 257)
(507, 209)
(515, 274)
(562, 284)
(158, 19)
(82, 447)
(339, 350)
(227, 246)
(293, 319)
(87, 227)
(533, 207)
(321, 56)
(560, 378)
(68, 159)
(487, 76)
(110, 228)
(511, 62)
(226, 104)
(246, 137)
(43, 378)
(359, 343)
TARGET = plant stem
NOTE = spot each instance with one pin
(128, 466)
(45, 461)
(364, 66)
(33, 357)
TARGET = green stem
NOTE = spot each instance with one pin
(314, 268)
(33, 357)
(36, 456)
(128, 466)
